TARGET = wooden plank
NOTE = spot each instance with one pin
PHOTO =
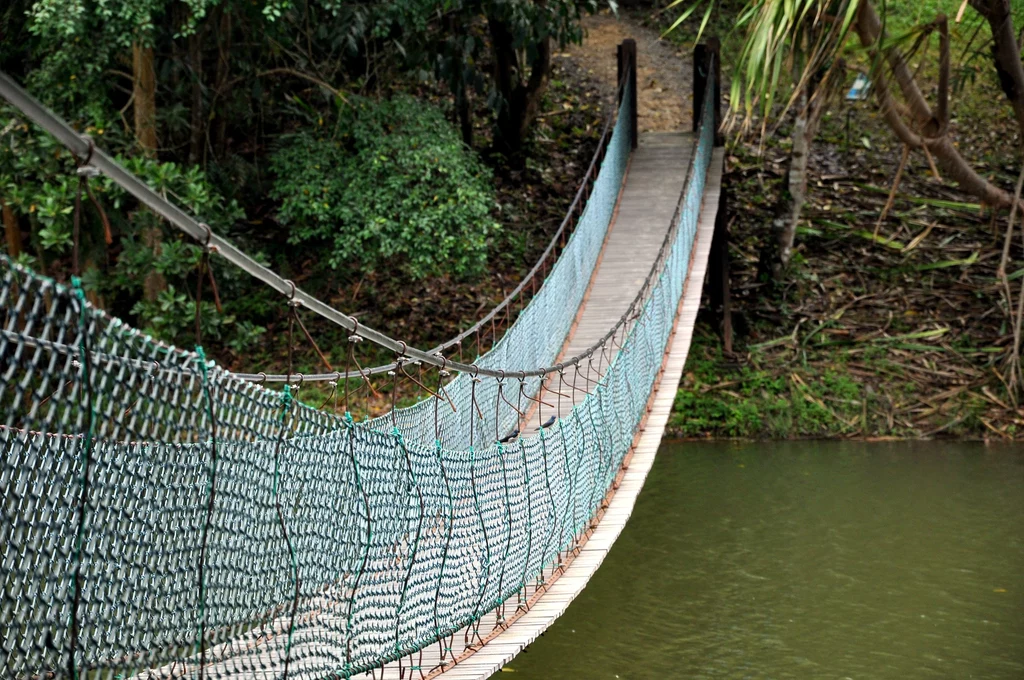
(657, 171)
(577, 575)
(655, 179)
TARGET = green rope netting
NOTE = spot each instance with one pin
(162, 518)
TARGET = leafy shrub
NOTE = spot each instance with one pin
(391, 184)
(39, 184)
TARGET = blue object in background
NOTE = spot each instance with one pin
(860, 88)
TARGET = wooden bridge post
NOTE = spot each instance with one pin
(718, 271)
(702, 55)
(627, 65)
(719, 296)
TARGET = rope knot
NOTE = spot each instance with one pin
(76, 285)
(286, 397)
(201, 355)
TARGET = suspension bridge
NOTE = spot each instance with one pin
(166, 518)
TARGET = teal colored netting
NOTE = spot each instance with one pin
(392, 540)
(539, 332)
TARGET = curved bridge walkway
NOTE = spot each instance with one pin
(660, 208)
(657, 172)
(647, 202)
(655, 177)
(653, 183)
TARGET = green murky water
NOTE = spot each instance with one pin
(807, 560)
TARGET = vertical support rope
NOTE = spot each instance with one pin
(552, 512)
(441, 374)
(570, 512)
(529, 533)
(204, 261)
(500, 620)
(211, 486)
(414, 547)
(474, 413)
(287, 400)
(447, 541)
(76, 221)
(286, 406)
(86, 461)
(351, 425)
(582, 522)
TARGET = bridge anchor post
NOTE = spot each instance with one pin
(707, 63)
(706, 59)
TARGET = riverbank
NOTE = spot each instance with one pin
(881, 327)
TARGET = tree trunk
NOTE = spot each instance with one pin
(198, 131)
(929, 131)
(520, 101)
(1005, 53)
(465, 116)
(223, 83)
(457, 81)
(12, 230)
(804, 130)
(144, 89)
(144, 81)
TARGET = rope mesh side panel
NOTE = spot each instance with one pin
(393, 539)
(539, 332)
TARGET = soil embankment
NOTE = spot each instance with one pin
(664, 75)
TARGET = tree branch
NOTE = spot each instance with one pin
(869, 30)
(305, 76)
(1005, 53)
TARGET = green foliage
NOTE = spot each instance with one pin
(390, 184)
(504, 59)
(171, 317)
(529, 21)
(37, 176)
(80, 41)
(795, 38)
(236, 83)
(774, 46)
(752, 402)
(39, 182)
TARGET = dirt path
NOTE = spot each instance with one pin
(664, 74)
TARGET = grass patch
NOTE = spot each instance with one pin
(721, 399)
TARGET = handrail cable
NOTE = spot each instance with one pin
(83, 147)
(588, 178)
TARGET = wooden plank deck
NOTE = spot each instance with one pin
(657, 171)
(503, 647)
(655, 180)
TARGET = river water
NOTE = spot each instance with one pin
(806, 560)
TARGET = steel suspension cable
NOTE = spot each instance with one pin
(83, 147)
(553, 242)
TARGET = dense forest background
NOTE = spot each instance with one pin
(408, 162)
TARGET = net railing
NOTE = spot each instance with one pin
(539, 331)
(492, 325)
(163, 518)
